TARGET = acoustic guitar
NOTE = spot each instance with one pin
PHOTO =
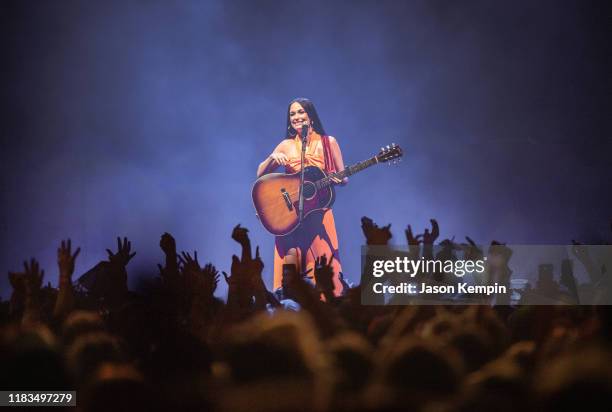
(276, 195)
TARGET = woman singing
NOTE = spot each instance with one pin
(316, 236)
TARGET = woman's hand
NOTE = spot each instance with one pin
(280, 159)
(339, 181)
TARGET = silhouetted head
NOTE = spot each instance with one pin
(283, 347)
(30, 359)
(299, 111)
(80, 322)
(413, 372)
(352, 361)
(575, 379)
(89, 351)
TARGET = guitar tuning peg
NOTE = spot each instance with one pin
(382, 149)
(388, 147)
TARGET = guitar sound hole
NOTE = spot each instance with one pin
(309, 190)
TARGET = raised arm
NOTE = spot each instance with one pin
(277, 158)
(337, 155)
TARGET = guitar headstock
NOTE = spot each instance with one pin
(390, 152)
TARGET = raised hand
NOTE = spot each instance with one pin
(65, 260)
(65, 298)
(210, 278)
(256, 265)
(246, 282)
(430, 237)
(228, 278)
(190, 265)
(238, 294)
(471, 250)
(246, 266)
(375, 235)
(246, 289)
(200, 288)
(26, 291)
(345, 284)
(240, 235)
(237, 281)
(117, 289)
(237, 269)
(33, 276)
(295, 285)
(247, 271)
(324, 274)
(123, 256)
(413, 242)
(202, 281)
(167, 244)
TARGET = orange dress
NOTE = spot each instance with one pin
(316, 235)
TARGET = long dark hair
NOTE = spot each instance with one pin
(312, 114)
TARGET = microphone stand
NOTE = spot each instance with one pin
(304, 136)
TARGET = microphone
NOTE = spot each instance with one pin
(304, 133)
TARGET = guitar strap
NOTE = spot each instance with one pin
(330, 167)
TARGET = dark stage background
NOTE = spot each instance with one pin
(133, 118)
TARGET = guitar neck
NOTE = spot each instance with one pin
(351, 170)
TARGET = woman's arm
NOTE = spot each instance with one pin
(276, 158)
(265, 167)
(337, 156)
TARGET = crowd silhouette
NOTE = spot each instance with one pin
(174, 345)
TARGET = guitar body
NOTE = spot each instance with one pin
(276, 198)
(276, 195)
